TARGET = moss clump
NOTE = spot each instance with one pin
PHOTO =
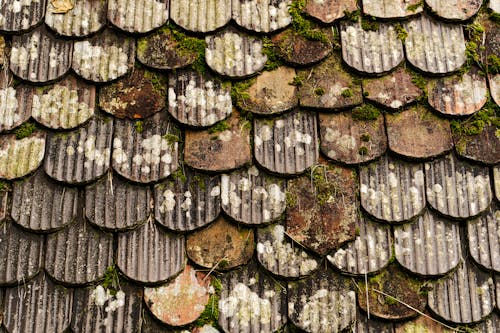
(389, 300)
(474, 125)
(139, 126)
(413, 8)
(352, 16)
(158, 81)
(4, 186)
(493, 64)
(179, 175)
(495, 17)
(369, 23)
(365, 137)
(401, 31)
(239, 91)
(24, 130)
(210, 316)
(187, 46)
(326, 184)
(346, 93)
(111, 279)
(365, 112)
(291, 200)
(297, 81)
(319, 91)
(171, 138)
(303, 26)
(363, 150)
(273, 59)
(221, 126)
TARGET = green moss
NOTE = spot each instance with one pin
(111, 279)
(158, 81)
(179, 175)
(297, 81)
(366, 93)
(357, 231)
(369, 23)
(389, 300)
(495, 17)
(138, 126)
(273, 59)
(210, 316)
(327, 184)
(4, 186)
(219, 127)
(352, 16)
(319, 91)
(413, 8)
(24, 130)
(363, 150)
(346, 93)
(401, 31)
(291, 200)
(303, 26)
(198, 182)
(239, 91)
(187, 45)
(493, 64)
(365, 137)
(142, 45)
(474, 125)
(365, 112)
(171, 138)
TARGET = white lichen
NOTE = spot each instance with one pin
(110, 62)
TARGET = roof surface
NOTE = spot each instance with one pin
(249, 166)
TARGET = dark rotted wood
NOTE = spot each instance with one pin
(321, 212)
(136, 96)
(329, 10)
(483, 147)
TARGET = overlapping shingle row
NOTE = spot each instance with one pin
(249, 166)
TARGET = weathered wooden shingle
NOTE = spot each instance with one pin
(38, 56)
(146, 151)
(198, 100)
(40, 205)
(96, 310)
(392, 8)
(200, 15)
(325, 299)
(84, 18)
(466, 296)
(21, 254)
(392, 190)
(104, 57)
(457, 188)
(15, 102)
(369, 252)
(494, 81)
(458, 95)
(234, 53)
(23, 304)
(371, 51)
(349, 140)
(78, 254)
(428, 246)
(64, 105)
(114, 204)
(496, 181)
(261, 15)
(433, 46)
(251, 301)
(483, 147)
(454, 9)
(287, 144)
(189, 201)
(21, 157)
(278, 253)
(372, 325)
(251, 196)
(82, 155)
(484, 239)
(149, 254)
(16, 16)
(328, 11)
(138, 16)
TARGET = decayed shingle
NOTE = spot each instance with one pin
(251, 301)
(372, 325)
(271, 92)
(328, 11)
(483, 147)
(136, 96)
(428, 246)
(297, 50)
(371, 51)
(484, 238)
(81, 155)
(454, 9)
(221, 245)
(83, 19)
(457, 188)
(287, 144)
(21, 157)
(324, 302)
(38, 56)
(78, 254)
(198, 100)
(181, 301)
(138, 15)
(328, 86)
(392, 8)
(386, 290)
(349, 140)
(251, 196)
(430, 135)
(321, 213)
(200, 15)
(433, 46)
(494, 81)
(94, 311)
(392, 190)
(15, 102)
(23, 304)
(18, 16)
(64, 105)
(233, 53)
(393, 91)
(189, 201)
(425, 323)
(114, 204)
(38, 204)
(278, 254)
(466, 296)
(261, 15)
(146, 151)
(104, 57)
(149, 254)
(369, 252)
(5, 198)
(223, 147)
(21, 254)
(458, 95)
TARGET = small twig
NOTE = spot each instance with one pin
(367, 298)
(213, 268)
